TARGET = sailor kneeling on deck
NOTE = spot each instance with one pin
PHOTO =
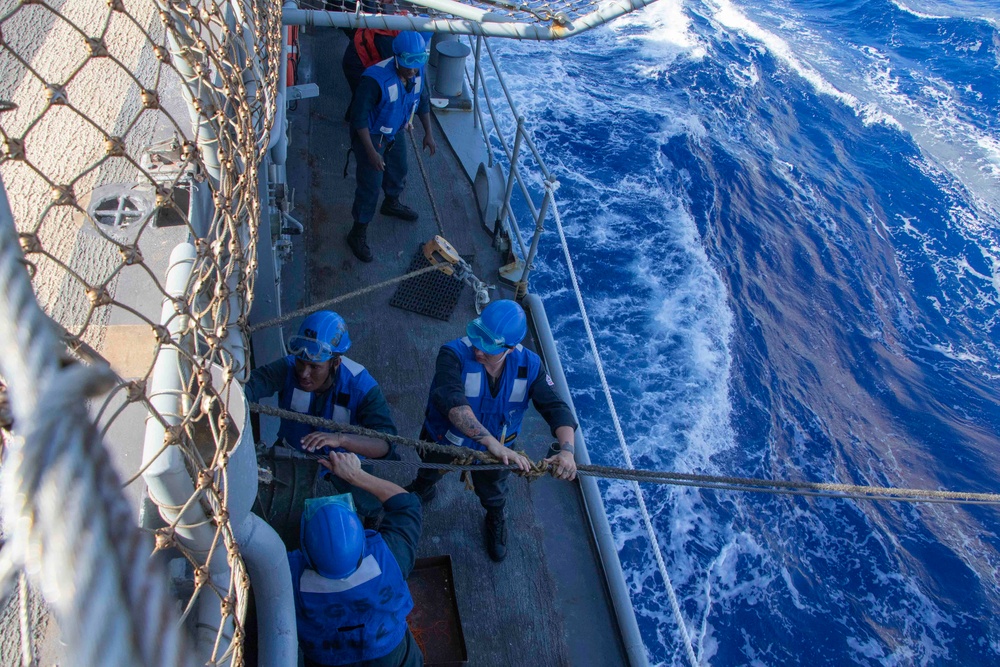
(316, 379)
(482, 385)
(351, 597)
(389, 94)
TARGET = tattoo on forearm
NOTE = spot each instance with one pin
(466, 422)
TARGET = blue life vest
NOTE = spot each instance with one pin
(396, 104)
(521, 368)
(341, 403)
(362, 617)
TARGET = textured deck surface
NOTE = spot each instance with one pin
(546, 604)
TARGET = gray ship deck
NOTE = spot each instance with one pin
(547, 603)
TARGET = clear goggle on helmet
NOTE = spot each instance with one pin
(412, 60)
(484, 339)
(310, 349)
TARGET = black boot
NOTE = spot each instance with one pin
(425, 489)
(357, 240)
(397, 209)
(496, 534)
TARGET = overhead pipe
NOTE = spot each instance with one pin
(472, 21)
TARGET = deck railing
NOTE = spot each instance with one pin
(520, 171)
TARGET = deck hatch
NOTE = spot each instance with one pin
(433, 294)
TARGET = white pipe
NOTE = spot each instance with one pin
(168, 481)
(279, 136)
(266, 560)
(462, 11)
(491, 25)
(196, 95)
(234, 342)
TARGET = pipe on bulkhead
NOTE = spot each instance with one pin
(199, 101)
(264, 553)
(166, 475)
(278, 145)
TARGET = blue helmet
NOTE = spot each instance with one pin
(501, 326)
(333, 541)
(410, 50)
(321, 336)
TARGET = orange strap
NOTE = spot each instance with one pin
(364, 43)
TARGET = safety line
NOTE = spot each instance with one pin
(551, 186)
(427, 182)
(482, 461)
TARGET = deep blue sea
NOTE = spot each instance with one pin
(786, 220)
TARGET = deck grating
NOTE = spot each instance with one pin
(433, 294)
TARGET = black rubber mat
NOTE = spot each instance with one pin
(433, 294)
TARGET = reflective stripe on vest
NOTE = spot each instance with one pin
(361, 617)
(396, 104)
(340, 405)
(521, 368)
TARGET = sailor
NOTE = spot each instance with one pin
(351, 597)
(482, 385)
(388, 95)
(316, 379)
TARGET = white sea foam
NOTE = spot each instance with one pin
(913, 12)
(664, 32)
(732, 18)
(942, 10)
(681, 417)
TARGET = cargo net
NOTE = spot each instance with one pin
(128, 128)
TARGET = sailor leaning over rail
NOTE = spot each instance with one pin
(389, 93)
(482, 385)
(316, 379)
(351, 596)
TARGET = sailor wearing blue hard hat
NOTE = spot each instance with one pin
(389, 94)
(317, 379)
(482, 385)
(349, 584)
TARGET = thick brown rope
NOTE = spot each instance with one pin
(471, 460)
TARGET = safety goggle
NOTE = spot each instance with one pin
(484, 339)
(310, 349)
(411, 60)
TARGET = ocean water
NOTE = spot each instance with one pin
(786, 220)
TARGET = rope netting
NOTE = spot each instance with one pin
(129, 128)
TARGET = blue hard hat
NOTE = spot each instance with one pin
(410, 49)
(321, 336)
(333, 541)
(502, 325)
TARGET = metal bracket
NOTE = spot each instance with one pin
(301, 92)
(511, 273)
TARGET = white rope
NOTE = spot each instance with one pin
(675, 606)
(70, 529)
(27, 649)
